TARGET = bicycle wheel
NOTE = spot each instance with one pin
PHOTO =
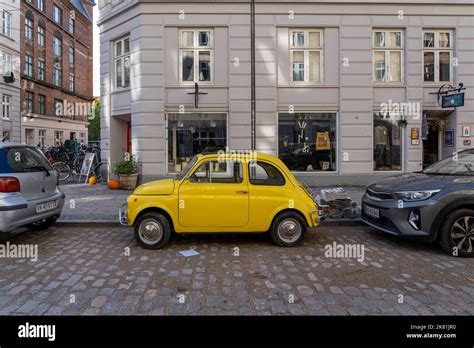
(78, 163)
(63, 170)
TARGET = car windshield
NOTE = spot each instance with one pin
(22, 159)
(186, 169)
(461, 163)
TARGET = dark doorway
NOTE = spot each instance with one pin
(431, 144)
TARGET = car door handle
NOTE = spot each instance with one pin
(242, 192)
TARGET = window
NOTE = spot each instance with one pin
(57, 46)
(387, 143)
(71, 25)
(7, 63)
(57, 77)
(263, 173)
(196, 54)
(218, 172)
(41, 36)
(71, 55)
(41, 5)
(387, 56)
(41, 69)
(29, 29)
(437, 53)
(58, 108)
(42, 137)
(71, 82)
(82, 138)
(22, 159)
(28, 65)
(58, 14)
(42, 104)
(58, 138)
(306, 52)
(6, 107)
(5, 136)
(193, 133)
(29, 102)
(307, 141)
(122, 63)
(7, 23)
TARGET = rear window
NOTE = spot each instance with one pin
(22, 159)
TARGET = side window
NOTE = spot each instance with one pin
(262, 173)
(217, 172)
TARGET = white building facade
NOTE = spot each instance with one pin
(346, 90)
(10, 125)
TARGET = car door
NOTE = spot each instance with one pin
(214, 195)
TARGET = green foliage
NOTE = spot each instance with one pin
(125, 167)
(94, 121)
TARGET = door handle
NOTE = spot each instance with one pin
(242, 192)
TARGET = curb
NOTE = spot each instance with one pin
(111, 223)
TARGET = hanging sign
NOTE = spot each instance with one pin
(452, 100)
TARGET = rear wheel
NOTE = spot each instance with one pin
(152, 230)
(42, 224)
(63, 170)
(457, 233)
(288, 229)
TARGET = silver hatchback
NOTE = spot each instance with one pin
(29, 193)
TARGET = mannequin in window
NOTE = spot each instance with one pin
(382, 144)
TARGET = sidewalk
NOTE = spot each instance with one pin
(86, 204)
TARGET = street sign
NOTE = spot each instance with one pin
(452, 100)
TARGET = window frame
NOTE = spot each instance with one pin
(72, 82)
(7, 25)
(6, 106)
(6, 62)
(210, 160)
(196, 49)
(59, 12)
(436, 50)
(402, 148)
(121, 58)
(42, 106)
(306, 51)
(71, 25)
(28, 71)
(29, 102)
(57, 43)
(42, 137)
(268, 163)
(56, 69)
(41, 36)
(72, 54)
(29, 29)
(41, 69)
(58, 137)
(387, 49)
(40, 5)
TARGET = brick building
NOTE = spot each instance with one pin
(56, 70)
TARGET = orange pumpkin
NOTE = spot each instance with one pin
(113, 184)
(92, 180)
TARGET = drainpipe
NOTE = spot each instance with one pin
(253, 97)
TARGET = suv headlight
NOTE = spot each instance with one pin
(417, 195)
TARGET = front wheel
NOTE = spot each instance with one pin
(152, 230)
(288, 229)
(457, 233)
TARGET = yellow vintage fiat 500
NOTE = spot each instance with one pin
(224, 192)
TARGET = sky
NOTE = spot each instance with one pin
(96, 49)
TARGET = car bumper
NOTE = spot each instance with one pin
(395, 220)
(123, 214)
(15, 211)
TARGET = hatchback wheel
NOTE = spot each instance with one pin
(457, 233)
(288, 229)
(152, 231)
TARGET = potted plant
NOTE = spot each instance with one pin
(127, 172)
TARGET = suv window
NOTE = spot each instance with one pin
(218, 172)
(262, 173)
(22, 159)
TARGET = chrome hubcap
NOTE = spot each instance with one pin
(289, 230)
(150, 231)
(462, 233)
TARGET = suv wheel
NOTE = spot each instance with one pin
(152, 230)
(288, 229)
(457, 233)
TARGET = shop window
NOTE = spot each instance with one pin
(193, 133)
(308, 141)
(387, 143)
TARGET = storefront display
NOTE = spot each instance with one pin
(307, 141)
(387, 143)
(192, 133)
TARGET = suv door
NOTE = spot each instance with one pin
(214, 195)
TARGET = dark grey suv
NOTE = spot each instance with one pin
(434, 205)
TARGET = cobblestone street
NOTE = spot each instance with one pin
(88, 271)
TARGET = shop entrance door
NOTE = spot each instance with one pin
(435, 146)
(431, 144)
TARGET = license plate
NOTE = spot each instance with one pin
(373, 212)
(41, 208)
